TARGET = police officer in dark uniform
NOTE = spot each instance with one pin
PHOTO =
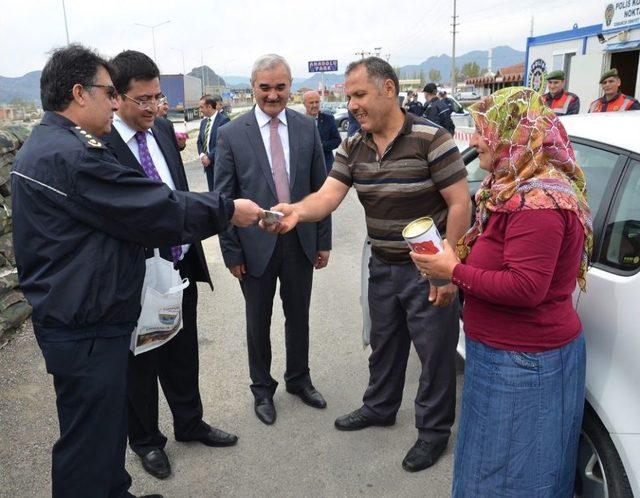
(436, 110)
(81, 222)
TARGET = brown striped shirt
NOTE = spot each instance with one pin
(403, 185)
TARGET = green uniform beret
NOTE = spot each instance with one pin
(556, 75)
(608, 74)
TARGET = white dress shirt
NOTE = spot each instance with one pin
(212, 118)
(263, 123)
(128, 136)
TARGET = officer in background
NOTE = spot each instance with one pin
(81, 222)
(613, 99)
(557, 98)
(436, 110)
(412, 104)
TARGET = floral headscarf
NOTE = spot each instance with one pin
(534, 166)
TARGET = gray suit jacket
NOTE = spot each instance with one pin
(242, 171)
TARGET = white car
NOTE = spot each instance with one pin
(608, 149)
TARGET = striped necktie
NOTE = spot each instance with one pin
(207, 132)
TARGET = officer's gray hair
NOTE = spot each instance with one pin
(269, 61)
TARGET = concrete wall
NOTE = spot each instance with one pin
(14, 309)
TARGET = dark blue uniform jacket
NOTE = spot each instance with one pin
(81, 222)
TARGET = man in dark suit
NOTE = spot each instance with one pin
(329, 135)
(143, 142)
(214, 118)
(269, 154)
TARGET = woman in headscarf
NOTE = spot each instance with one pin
(518, 265)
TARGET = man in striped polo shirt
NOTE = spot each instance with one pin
(403, 167)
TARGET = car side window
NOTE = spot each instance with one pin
(621, 244)
(598, 166)
(474, 172)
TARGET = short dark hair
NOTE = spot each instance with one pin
(68, 66)
(211, 100)
(377, 69)
(132, 65)
(430, 88)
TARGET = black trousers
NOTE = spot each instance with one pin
(176, 365)
(401, 314)
(295, 272)
(208, 171)
(89, 377)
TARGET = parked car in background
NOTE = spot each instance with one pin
(342, 119)
(332, 107)
(608, 150)
(467, 96)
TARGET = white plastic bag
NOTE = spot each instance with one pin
(364, 292)
(161, 315)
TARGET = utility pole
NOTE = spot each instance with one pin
(182, 52)
(153, 35)
(531, 28)
(363, 54)
(454, 83)
(66, 28)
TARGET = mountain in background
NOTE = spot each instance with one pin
(313, 82)
(207, 75)
(502, 56)
(245, 82)
(26, 88)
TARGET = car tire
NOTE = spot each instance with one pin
(344, 124)
(600, 472)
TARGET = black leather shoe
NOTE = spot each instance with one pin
(357, 420)
(156, 463)
(213, 437)
(423, 455)
(265, 410)
(310, 396)
(150, 496)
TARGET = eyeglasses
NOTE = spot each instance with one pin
(112, 93)
(148, 104)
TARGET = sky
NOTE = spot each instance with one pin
(228, 36)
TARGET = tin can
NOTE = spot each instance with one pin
(423, 237)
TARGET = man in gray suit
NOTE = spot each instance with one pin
(270, 155)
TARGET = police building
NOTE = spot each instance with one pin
(585, 53)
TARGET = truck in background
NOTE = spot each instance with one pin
(183, 92)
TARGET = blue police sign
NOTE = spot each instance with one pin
(323, 66)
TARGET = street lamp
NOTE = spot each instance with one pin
(202, 66)
(153, 35)
(66, 28)
(182, 52)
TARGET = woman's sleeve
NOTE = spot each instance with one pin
(532, 244)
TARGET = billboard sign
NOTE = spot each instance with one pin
(325, 66)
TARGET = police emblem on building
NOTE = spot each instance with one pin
(537, 72)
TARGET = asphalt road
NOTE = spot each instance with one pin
(301, 455)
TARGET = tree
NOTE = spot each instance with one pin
(435, 76)
(422, 77)
(470, 70)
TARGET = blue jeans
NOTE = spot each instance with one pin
(520, 422)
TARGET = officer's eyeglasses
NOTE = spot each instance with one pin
(148, 103)
(112, 93)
